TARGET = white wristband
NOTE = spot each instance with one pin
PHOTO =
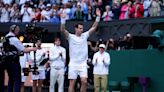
(63, 21)
(98, 19)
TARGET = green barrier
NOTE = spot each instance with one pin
(136, 63)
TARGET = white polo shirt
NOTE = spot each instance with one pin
(78, 49)
(101, 68)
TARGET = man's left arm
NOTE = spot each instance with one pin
(95, 24)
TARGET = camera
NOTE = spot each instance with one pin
(34, 33)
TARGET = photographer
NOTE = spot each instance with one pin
(110, 45)
(39, 75)
(11, 63)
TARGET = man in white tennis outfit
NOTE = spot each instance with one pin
(78, 51)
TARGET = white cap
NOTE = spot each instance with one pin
(48, 5)
(102, 46)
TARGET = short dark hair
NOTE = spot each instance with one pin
(55, 39)
(77, 25)
(13, 27)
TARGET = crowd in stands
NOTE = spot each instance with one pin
(83, 10)
(123, 43)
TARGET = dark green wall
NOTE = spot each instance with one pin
(148, 63)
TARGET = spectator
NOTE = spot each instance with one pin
(125, 42)
(110, 45)
(5, 13)
(41, 5)
(131, 9)
(101, 62)
(54, 16)
(9, 2)
(90, 14)
(26, 12)
(93, 48)
(84, 8)
(139, 10)
(107, 15)
(15, 14)
(146, 5)
(21, 2)
(124, 10)
(66, 10)
(37, 16)
(65, 1)
(73, 9)
(45, 14)
(128, 41)
(155, 8)
(116, 9)
(78, 13)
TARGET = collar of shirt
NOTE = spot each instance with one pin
(10, 34)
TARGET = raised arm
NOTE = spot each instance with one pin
(62, 27)
(95, 24)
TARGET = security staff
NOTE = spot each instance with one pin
(12, 64)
